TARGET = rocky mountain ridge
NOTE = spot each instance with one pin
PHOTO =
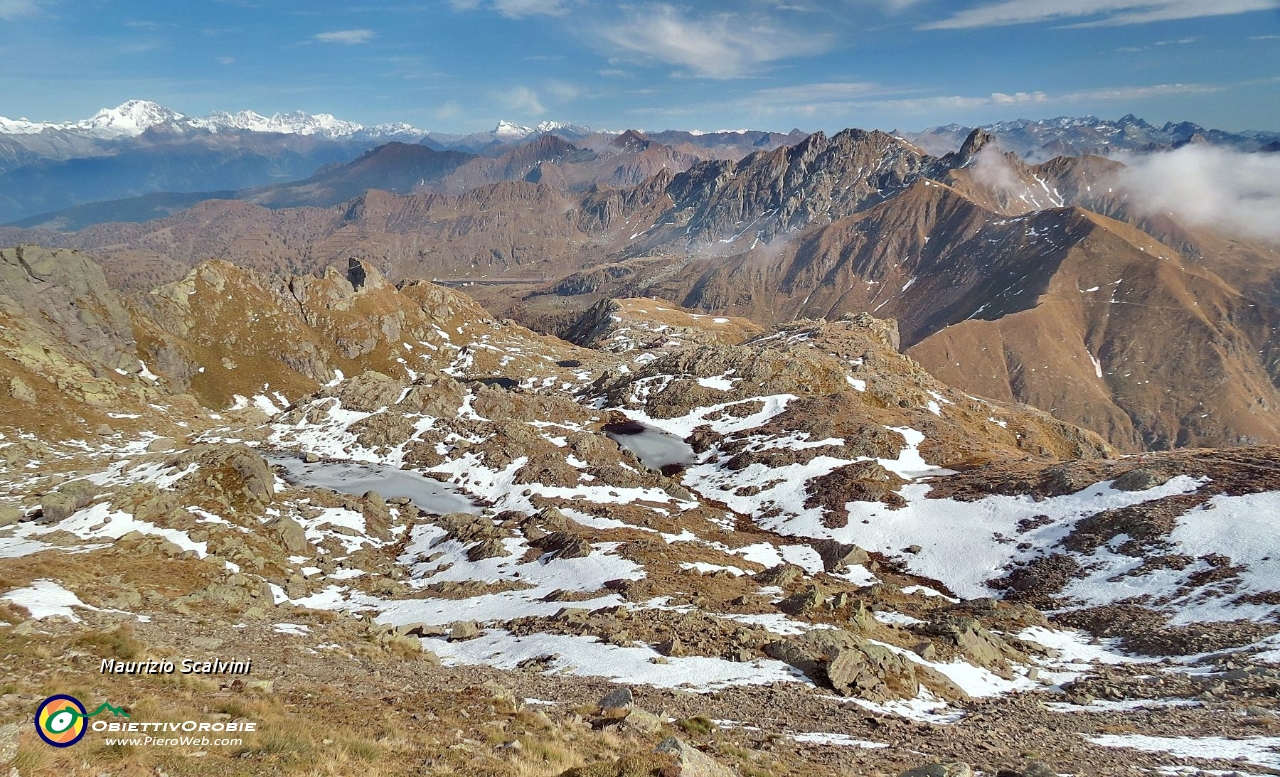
(957, 248)
(373, 489)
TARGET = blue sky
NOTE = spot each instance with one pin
(460, 65)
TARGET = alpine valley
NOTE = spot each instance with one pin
(555, 451)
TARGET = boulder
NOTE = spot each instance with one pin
(855, 667)
(617, 704)
(231, 473)
(292, 536)
(692, 762)
(10, 515)
(1139, 479)
(781, 575)
(9, 743)
(460, 631)
(20, 391)
(56, 507)
(562, 544)
(369, 391)
(837, 555)
(491, 548)
(161, 444)
(377, 516)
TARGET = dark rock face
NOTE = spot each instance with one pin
(819, 178)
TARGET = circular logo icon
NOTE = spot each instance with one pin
(60, 720)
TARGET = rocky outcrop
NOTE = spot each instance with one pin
(852, 666)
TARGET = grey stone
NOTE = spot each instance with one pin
(292, 536)
(693, 762)
(56, 507)
(8, 742)
(617, 704)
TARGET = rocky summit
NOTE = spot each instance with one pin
(682, 544)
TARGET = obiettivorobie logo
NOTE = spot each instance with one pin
(62, 721)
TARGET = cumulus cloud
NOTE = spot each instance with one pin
(346, 37)
(722, 45)
(1200, 185)
(1097, 12)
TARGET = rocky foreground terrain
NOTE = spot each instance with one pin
(450, 545)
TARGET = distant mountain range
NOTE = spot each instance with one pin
(1041, 284)
(141, 148)
(1039, 140)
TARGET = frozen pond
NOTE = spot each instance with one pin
(356, 478)
(655, 448)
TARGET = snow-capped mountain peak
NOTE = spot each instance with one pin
(135, 117)
(295, 123)
(130, 118)
(507, 130)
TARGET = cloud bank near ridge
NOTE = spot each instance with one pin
(1235, 192)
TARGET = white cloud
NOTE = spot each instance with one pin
(723, 45)
(226, 60)
(449, 109)
(992, 169)
(515, 9)
(1017, 98)
(346, 37)
(14, 9)
(561, 91)
(954, 102)
(1109, 12)
(1208, 186)
(525, 100)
